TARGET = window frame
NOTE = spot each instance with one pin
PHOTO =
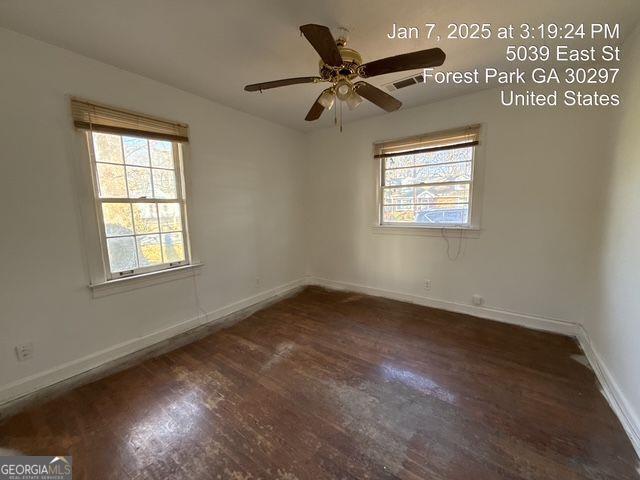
(178, 157)
(475, 191)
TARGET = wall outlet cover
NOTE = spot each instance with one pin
(477, 300)
(24, 351)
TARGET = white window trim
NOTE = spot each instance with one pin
(133, 282)
(471, 230)
(178, 169)
(97, 272)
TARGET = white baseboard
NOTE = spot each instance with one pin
(9, 393)
(611, 390)
(525, 320)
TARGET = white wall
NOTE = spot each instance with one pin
(540, 171)
(614, 322)
(246, 218)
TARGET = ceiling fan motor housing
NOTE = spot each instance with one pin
(351, 60)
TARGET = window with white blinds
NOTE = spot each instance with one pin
(427, 181)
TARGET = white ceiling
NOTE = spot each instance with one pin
(213, 48)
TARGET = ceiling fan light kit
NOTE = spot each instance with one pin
(343, 89)
(341, 65)
(354, 100)
(327, 98)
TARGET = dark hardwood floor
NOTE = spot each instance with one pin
(331, 385)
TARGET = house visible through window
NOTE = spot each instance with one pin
(141, 205)
(428, 181)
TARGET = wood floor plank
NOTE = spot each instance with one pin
(337, 385)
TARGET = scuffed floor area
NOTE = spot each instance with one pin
(333, 385)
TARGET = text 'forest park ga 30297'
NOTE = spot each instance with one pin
(575, 65)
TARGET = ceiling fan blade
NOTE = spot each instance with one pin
(377, 96)
(316, 109)
(432, 57)
(256, 87)
(321, 39)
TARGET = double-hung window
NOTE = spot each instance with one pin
(428, 181)
(139, 193)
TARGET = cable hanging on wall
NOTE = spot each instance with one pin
(458, 249)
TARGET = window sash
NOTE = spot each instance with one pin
(99, 201)
(140, 200)
(421, 204)
(421, 165)
(427, 224)
(429, 184)
(382, 187)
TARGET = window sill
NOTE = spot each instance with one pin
(124, 284)
(452, 232)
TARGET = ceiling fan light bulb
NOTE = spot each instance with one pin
(343, 90)
(353, 101)
(326, 100)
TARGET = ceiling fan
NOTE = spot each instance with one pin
(340, 65)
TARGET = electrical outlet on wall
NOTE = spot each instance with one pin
(24, 351)
(477, 300)
(427, 284)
